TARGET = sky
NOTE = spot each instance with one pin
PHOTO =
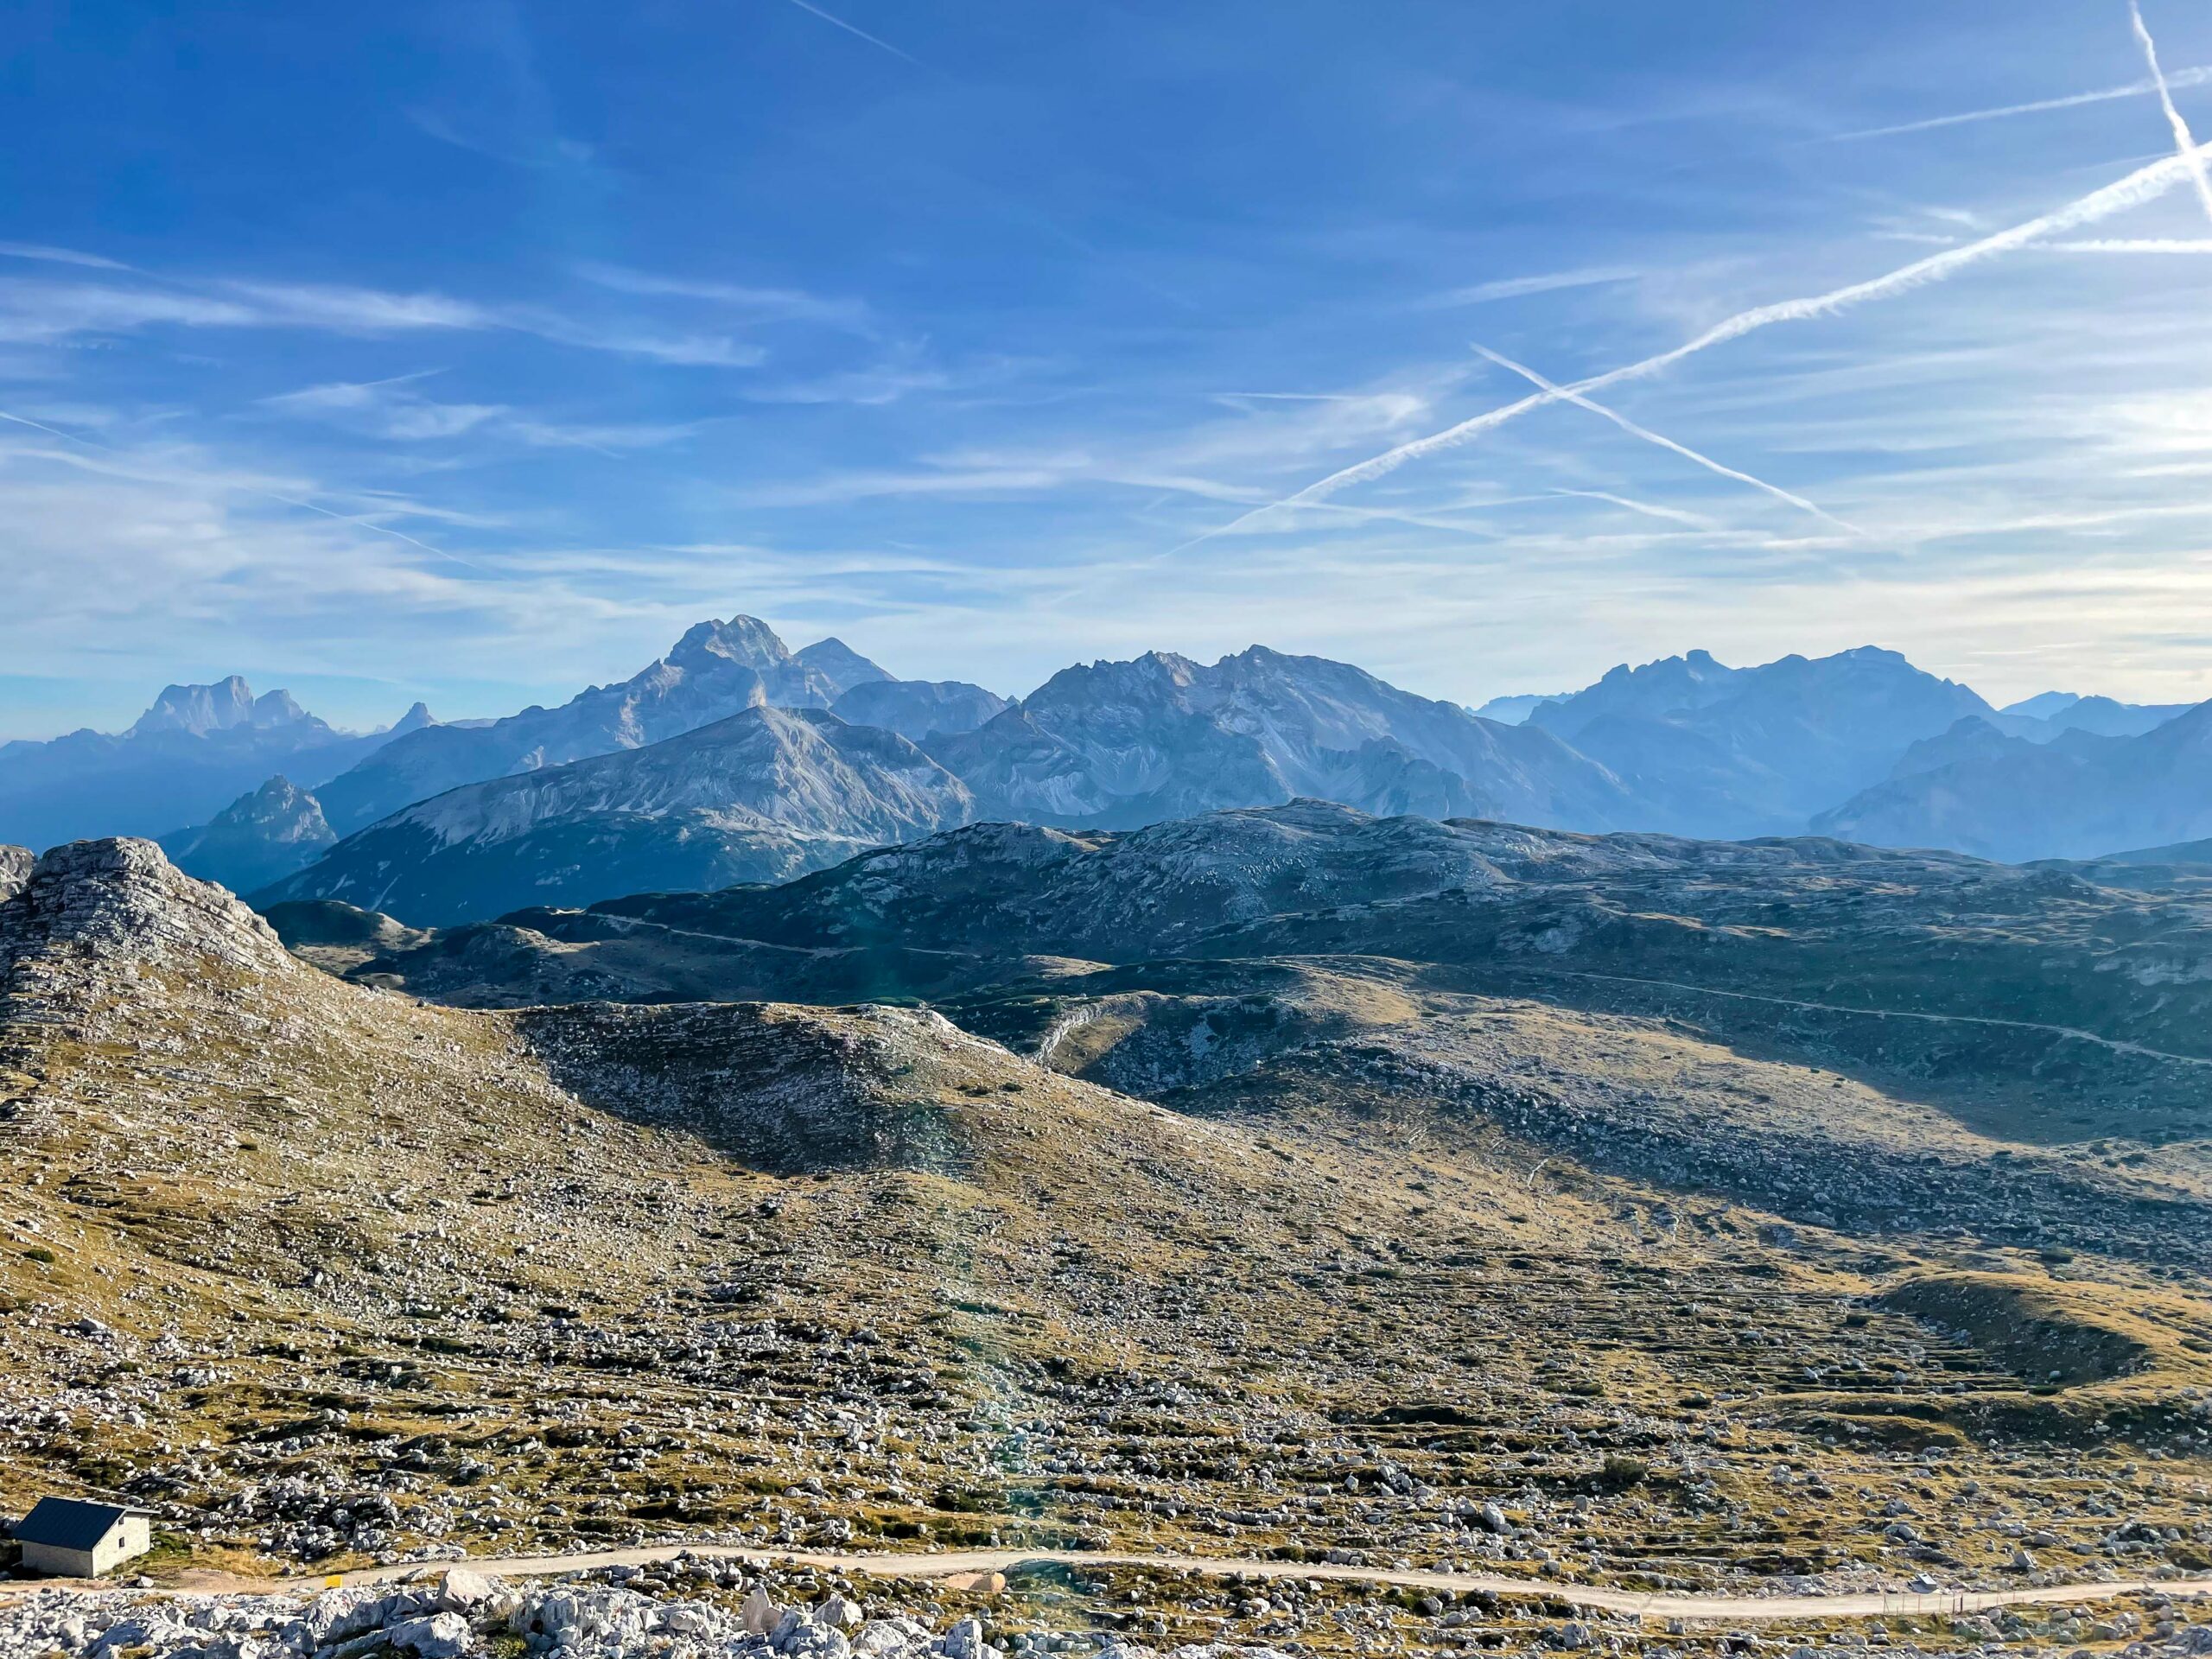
(472, 350)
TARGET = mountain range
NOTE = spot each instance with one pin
(196, 750)
(716, 669)
(2078, 795)
(1116, 745)
(761, 796)
(1709, 750)
(692, 774)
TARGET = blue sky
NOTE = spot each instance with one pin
(470, 351)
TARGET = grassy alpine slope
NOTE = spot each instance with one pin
(326, 1273)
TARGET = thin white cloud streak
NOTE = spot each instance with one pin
(1671, 515)
(40, 314)
(1514, 287)
(366, 310)
(857, 486)
(559, 153)
(388, 409)
(48, 313)
(1666, 443)
(2195, 77)
(2136, 245)
(2184, 141)
(881, 45)
(50, 255)
(2144, 185)
(793, 303)
(373, 311)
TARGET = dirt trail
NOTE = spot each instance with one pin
(2116, 1045)
(1737, 1609)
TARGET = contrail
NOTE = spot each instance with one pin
(2184, 141)
(2145, 184)
(2138, 244)
(1674, 515)
(1687, 454)
(266, 495)
(2196, 77)
(881, 45)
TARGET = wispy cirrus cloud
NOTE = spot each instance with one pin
(767, 303)
(37, 313)
(392, 409)
(43, 312)
(76, 452)
(51, 256)
(557, 152)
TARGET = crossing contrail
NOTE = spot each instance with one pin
(2191, 76)
(2145, 184)
(2184, 141)
(1649, 436)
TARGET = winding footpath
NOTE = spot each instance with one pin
(2114, 1044)
(1700, 1608)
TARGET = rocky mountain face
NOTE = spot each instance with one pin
(2077, 796)
(87, 907)
(919, 710)
(196, 750)
(14, 869)
(256, 839)
(760, 796)
(716, 669)
(1713, 751)
(1161, 737)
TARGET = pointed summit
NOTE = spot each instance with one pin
(839, 664)
(277, 709)
(417, 717)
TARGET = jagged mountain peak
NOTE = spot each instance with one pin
(764, 794)
(744, 640)
(280, 798)
(88, 906)
(418, 716)
(219, 706)
(198, 709)
(266, 832)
